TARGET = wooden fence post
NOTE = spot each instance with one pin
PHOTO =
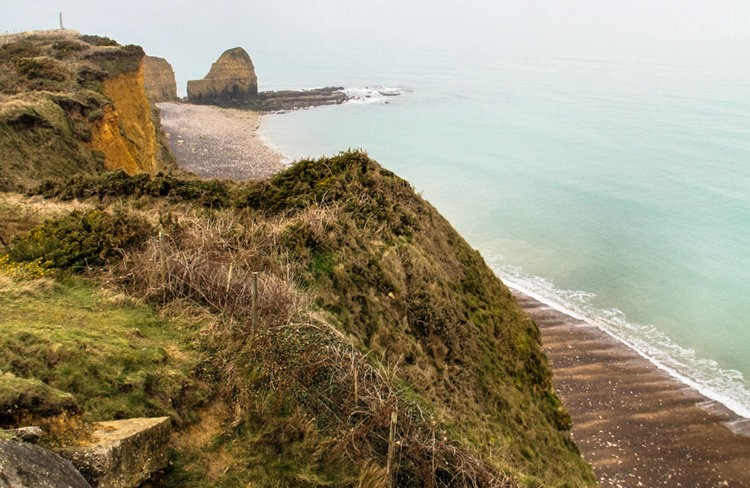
(391, 462)
(255, 299)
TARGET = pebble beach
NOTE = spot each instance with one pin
(637, 425)
(215, 142)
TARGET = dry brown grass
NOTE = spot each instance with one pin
(338, 390)
(19, 213)
(14, 288)
(210, 263)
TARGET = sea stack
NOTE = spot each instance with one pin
(231, 79)
(159, 80)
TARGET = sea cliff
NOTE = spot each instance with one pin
(72, 103)
(379, 349)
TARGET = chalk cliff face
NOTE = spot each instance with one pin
(158, 79)
(126, 133)
(231, 78)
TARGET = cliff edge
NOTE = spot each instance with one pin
(74, 104)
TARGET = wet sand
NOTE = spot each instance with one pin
(636, 424)
(215, 142)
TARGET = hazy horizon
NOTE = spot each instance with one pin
(694, 33)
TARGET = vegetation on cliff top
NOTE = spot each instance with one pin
(53, 100)
(371, 304)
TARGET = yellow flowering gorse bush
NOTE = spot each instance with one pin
(31, 270)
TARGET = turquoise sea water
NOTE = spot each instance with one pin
(617, 192)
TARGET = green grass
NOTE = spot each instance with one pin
(118, 360)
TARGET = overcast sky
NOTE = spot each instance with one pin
(690, 32)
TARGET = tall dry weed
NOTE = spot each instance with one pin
(210, 262)
(348, 393)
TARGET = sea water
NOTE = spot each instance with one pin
(617, 192)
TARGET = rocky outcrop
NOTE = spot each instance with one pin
(282, 101)
(125, 453)
(231, 79)
(158, 79)
(25, 465)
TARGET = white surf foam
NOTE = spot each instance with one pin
(725, 386)
(374, 94)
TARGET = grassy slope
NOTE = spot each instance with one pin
(430, 332)
(118, 360)
(393, 274)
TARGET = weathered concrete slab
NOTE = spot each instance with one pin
(124, 453)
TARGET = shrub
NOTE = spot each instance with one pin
(21, 49)
(95, 40)
(41, 68)
(38, 268)
(80, 239)
(66, 48)
(207, 193)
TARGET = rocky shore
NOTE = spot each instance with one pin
(283, 101)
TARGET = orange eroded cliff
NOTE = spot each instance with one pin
(126, 133)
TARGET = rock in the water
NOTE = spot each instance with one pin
(231, 82)
(158, 79)
(231, 79)
(28, 466)
(125, 453)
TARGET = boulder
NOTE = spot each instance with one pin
(231, 79)
(124, 453)
(28, 466)
(158, 79)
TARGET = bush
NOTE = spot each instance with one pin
(21, 49)
(80, 239)
(66, 48)
(206, 193)
(98, 40)
(41, 68)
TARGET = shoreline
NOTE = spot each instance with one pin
(636, 424)
(215, 142)
(743, 429)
